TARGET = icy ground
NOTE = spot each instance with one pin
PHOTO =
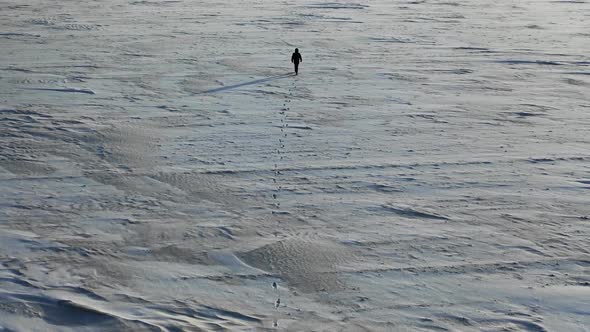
(428, 170)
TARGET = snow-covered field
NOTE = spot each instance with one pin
(428, 170)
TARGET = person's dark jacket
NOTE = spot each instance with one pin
(296, 58)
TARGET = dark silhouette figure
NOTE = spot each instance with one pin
(296, 59)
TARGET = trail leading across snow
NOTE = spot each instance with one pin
(428, 169)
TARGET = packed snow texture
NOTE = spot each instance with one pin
(427, 170)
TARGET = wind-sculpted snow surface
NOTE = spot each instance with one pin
(161, 169)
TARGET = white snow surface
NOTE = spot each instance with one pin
(427, 170)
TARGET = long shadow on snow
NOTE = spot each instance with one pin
(258, 81)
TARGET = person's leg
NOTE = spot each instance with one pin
(296, 67)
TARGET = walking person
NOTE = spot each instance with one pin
(296, 59)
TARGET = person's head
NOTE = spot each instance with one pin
(296, 50)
